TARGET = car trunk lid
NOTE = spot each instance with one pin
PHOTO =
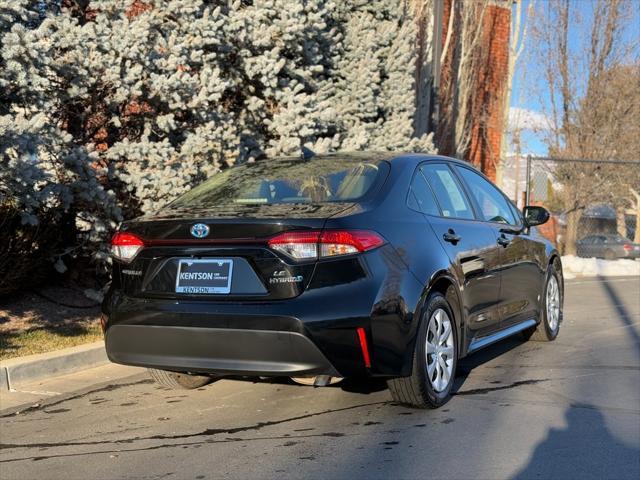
(237, 237)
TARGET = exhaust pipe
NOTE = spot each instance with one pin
(322, 381)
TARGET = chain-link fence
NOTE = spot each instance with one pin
(594, 203)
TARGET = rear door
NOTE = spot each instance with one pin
(470, 245)
(521, 256)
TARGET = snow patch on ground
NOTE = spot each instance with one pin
(573, 267)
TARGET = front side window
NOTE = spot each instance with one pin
(447, 190)
(494, 207)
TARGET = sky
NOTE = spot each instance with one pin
(529, 100)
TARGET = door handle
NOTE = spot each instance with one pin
(451, 237)
(503, 241)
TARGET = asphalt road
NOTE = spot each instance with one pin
(567, 409)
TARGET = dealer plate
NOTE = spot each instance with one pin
(204, 276)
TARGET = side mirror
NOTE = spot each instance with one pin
(535, 215)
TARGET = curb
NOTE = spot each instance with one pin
(44, 365)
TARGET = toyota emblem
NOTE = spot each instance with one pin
(200, 230)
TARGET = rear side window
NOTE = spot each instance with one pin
(493, 205)
(321, 180)
(448, 192)
(614, 239)
(421, 197)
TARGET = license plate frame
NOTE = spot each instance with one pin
(204, 286)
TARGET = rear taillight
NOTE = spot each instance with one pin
(313, 244)
(125, 246)
(298, 245)
(627, 247)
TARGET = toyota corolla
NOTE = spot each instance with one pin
(364, 264)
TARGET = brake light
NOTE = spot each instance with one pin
(125, 246)
(313, 244)
(627, 247)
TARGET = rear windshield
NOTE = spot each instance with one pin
(320, 180)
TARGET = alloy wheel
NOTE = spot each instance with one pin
(553, 303)
(440, 350)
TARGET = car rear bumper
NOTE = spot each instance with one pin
(315, 333)
(217, 350)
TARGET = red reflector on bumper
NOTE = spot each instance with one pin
(362, 337)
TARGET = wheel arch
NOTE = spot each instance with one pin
(444, 283)
(556, 262)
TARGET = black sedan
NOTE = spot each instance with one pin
(363, 264)
(607, 245)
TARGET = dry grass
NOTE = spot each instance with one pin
(31, 324)
(41, 341)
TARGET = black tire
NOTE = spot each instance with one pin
(543, 332)
(609, 255)
(416, 390)
(178, 381)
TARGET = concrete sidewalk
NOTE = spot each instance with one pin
(34, 378)
(36, 392)
(31, 368)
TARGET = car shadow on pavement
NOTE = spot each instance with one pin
(583, 449)
(363, 385)
(475, 360)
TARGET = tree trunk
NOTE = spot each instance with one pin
(573, 220)
(621, 221)
(421, 11)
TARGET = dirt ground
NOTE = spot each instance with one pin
(45, 319)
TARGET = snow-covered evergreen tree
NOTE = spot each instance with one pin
(148, 97)
(373, 86)
(171, 91)
(43, 172)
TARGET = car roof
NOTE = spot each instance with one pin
(347, 156)
(398, 161)
(376, 156)
(416, 158)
